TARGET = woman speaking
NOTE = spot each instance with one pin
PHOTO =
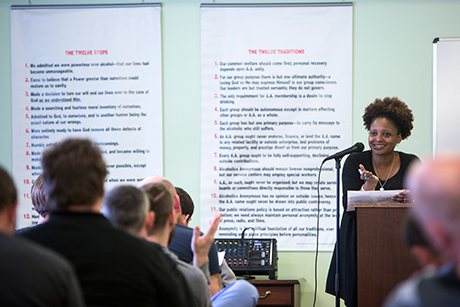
(389, 121)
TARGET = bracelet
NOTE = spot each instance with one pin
(362, 188)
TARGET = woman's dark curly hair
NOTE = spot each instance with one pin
(392, 109)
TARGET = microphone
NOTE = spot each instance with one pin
(358, 147)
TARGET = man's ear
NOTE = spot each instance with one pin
(423, 255)
(172, 219)
(149, 220)
(177, 205)
(12, 216)
(184, 219)
(9, 218)
(440, 237)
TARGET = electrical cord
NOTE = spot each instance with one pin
(317, 238)
(246, 276)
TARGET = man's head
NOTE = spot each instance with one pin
(161, 203)
(74, 174)
(169, 186)
(126, 207)
(437, 202)
(8, 202)
(39, 196)
(186, 205)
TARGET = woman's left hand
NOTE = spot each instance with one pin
(404, 197)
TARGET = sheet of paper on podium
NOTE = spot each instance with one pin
(357, 197)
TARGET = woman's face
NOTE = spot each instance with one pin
(383, 136)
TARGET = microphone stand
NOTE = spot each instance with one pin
(358, 147)
(337, 259)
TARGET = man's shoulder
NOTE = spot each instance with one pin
(407, 292)
(187, 269)
(29, 250)
(184, 230)
(20, 254)
(152, 246)
(61, 232)
(51, 281)
(442, 289)
(180, 243)
(21, 230)
(28, 231)
(426, 288)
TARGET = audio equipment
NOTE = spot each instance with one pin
(250, 256)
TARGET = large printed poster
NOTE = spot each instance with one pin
(276, 100)
(86, 71)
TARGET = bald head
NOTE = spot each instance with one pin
(435, 186)
(159, 179)
(167, 184)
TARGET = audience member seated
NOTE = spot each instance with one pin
(418, 244)
(128, 208)
(129, 215)
(114, 268)
(39, 201)
(186, 205)
(437, 209)
(30, 274)
(180, 244)
(187, 208)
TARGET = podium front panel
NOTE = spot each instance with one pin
(383, 257)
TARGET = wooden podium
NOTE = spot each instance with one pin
(383, 257)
